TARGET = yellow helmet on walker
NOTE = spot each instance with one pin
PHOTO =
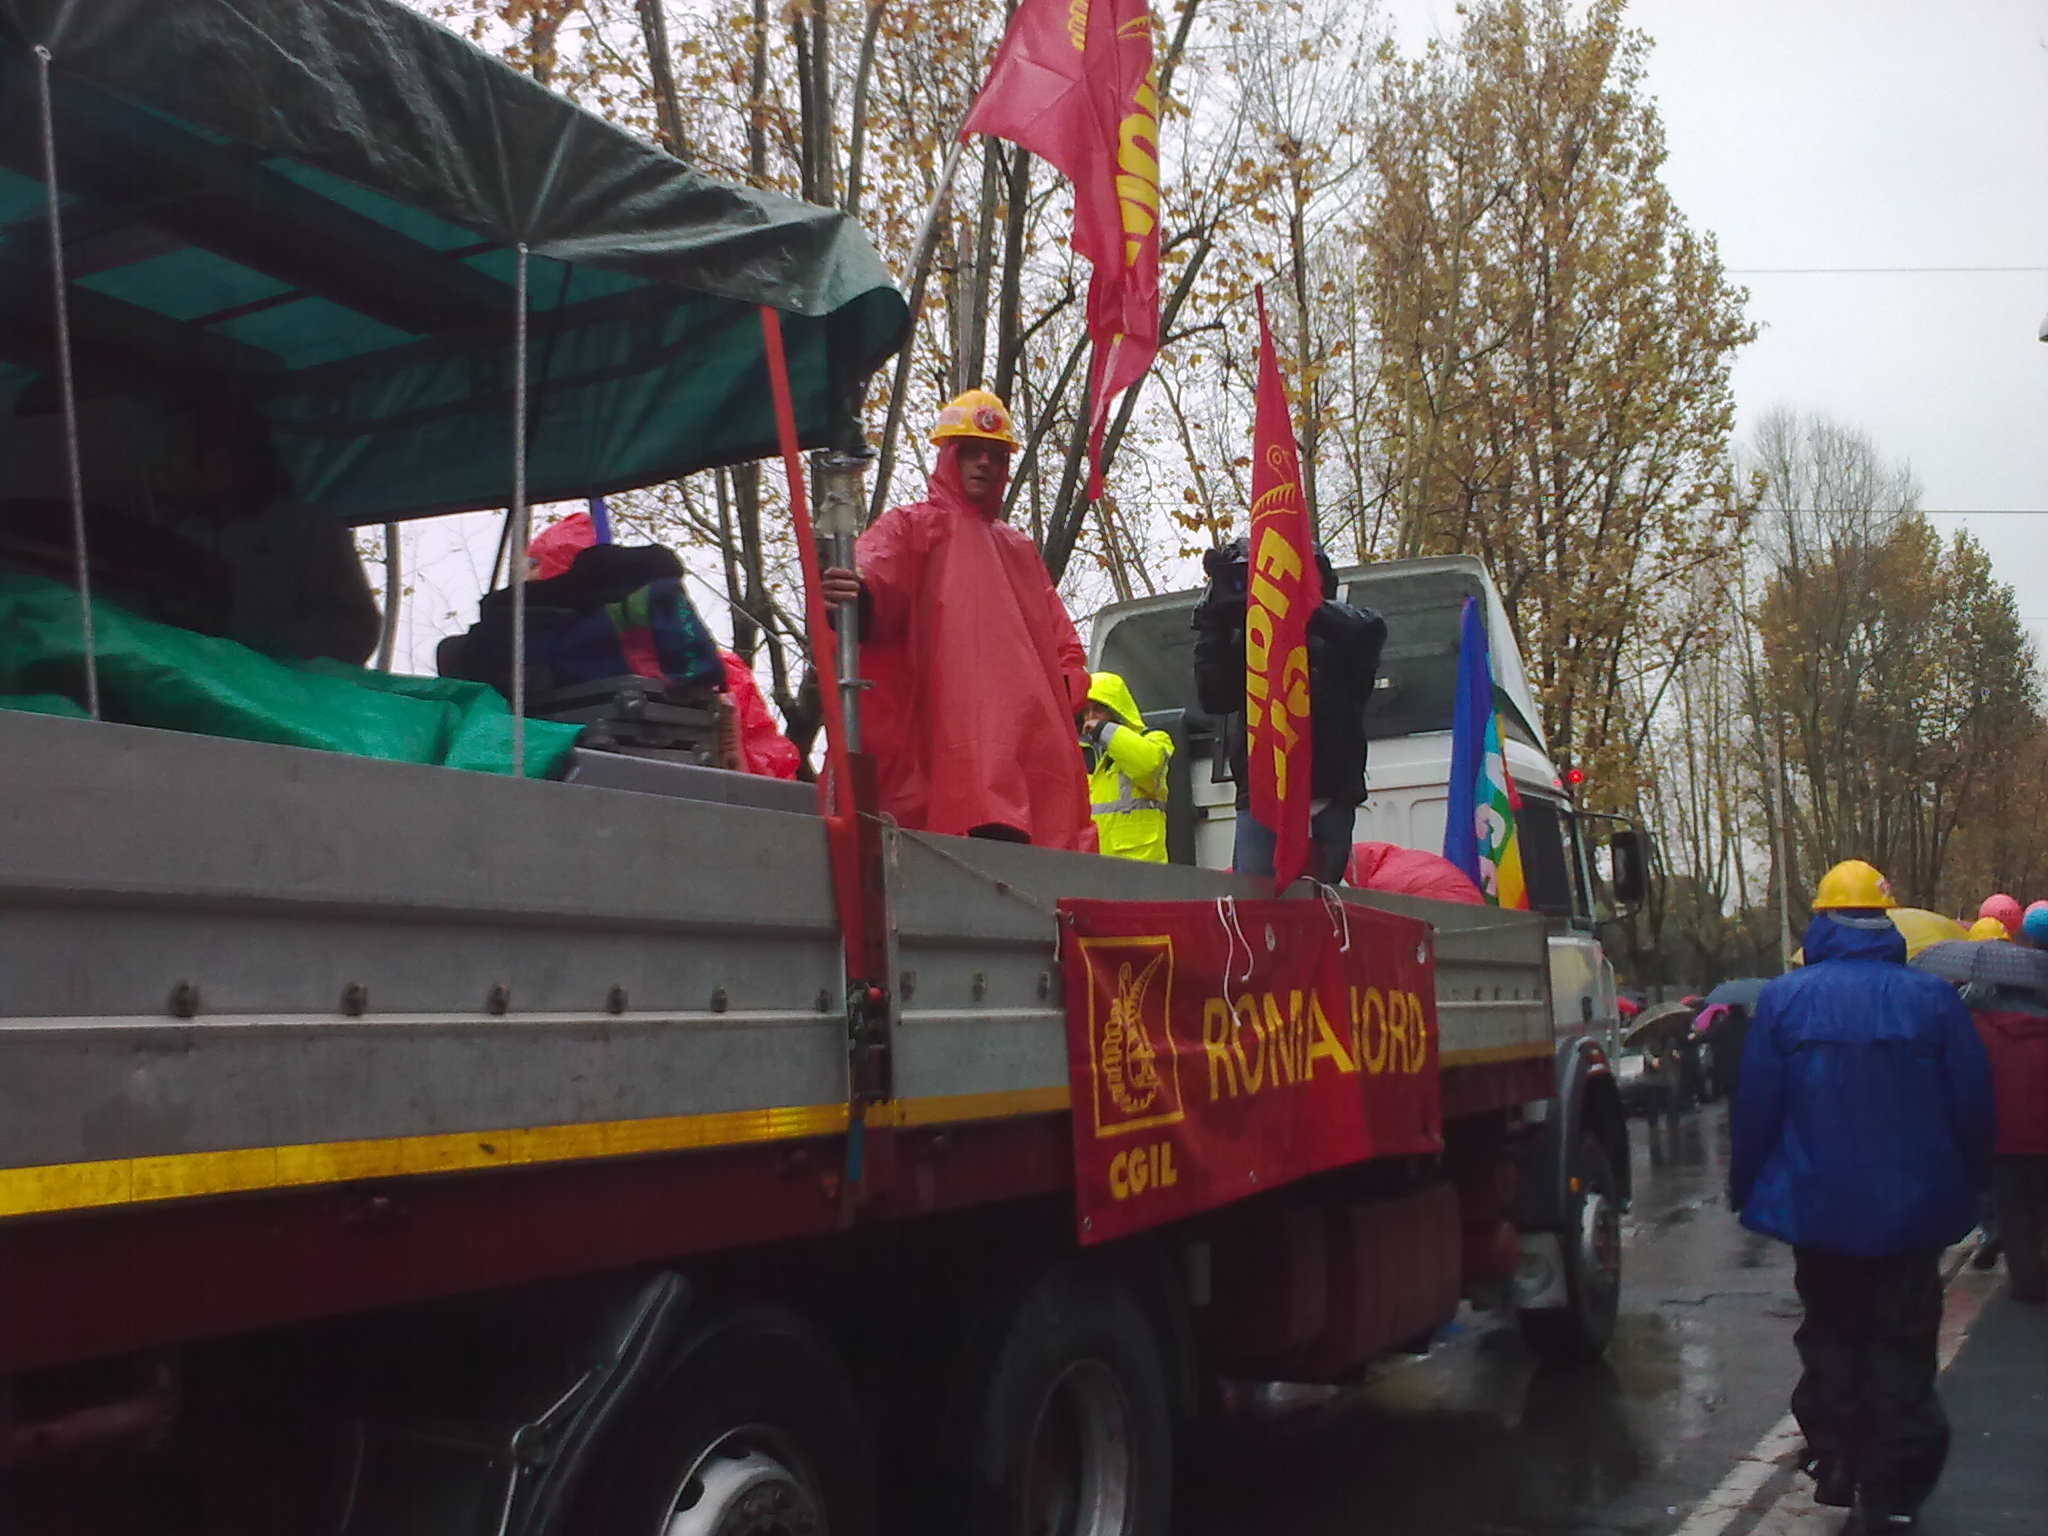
(978, 413)
(1853, 885)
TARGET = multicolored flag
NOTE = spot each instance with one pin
(1282, 588)
(1479, 828)
(1074, 83)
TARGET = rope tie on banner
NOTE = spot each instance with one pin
(66, 388)
(1233, 939)
(521, 523)
(1339, 912)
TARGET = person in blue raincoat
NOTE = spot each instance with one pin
(1863, 1130)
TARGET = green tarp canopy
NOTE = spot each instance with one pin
(157, 675)
(314, 205)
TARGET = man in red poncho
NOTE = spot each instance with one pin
(976, 668)
(757, 745)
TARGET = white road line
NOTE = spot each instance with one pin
(1797, 1515)
(1794, 1513)
(1731, 1500)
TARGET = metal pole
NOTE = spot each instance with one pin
(839, 499)
(920, 274)
(522, 518)
(394, 591)
(65, 386)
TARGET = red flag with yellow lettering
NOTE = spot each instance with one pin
(1282, 589)
(1073, 83)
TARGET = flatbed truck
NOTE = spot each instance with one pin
(392, 1148)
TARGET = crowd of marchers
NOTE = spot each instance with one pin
(1886, 1106)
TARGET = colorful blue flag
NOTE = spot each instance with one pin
(1480, 835)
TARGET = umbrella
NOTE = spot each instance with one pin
(1739, 993)
(1411, 872)
(1672, 1019)
(1922, 928)
(1987, 963)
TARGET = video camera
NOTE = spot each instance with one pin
(1228, 567)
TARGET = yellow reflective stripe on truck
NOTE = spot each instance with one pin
(1489, 1055)
(244, 1170)
(184, 1175)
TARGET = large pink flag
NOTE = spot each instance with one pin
(1073, 83)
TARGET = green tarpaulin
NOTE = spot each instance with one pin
(154, 674)
(314, 205)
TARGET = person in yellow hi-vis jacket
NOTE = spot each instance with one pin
(1127, 785)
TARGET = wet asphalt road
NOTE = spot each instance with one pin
(1475, 1440)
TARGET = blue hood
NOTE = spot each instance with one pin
(1828, 938)
(1863, 1122)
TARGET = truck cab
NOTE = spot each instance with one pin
(1150, 643)
(1581, 1142)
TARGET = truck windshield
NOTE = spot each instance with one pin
(1418, 684)
(1153, 648)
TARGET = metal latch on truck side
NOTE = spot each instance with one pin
(867, 1042)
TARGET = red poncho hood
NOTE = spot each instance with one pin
(977, 671)
(555, 548)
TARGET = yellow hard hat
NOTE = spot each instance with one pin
(1853, 884)
(1988, 928)
(978, 413)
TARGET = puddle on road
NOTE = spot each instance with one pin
(1475, 1440)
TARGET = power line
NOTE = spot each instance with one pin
(1909, 511)
(1859, 271)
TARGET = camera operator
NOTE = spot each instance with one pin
(1343, 661)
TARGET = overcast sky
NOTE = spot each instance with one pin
(1876, 133)
(1818, 134)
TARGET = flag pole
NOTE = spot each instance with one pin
(920, 275)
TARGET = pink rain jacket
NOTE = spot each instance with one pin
(977, 672)
(763, 747)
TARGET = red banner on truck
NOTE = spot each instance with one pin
(1217, 1049)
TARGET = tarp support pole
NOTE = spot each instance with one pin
(66, 388)
(521, 523)
(836, 788)
(852, 834)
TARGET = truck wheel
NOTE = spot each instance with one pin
(755, 1433)
(1590, 1245)
(1072, 1435)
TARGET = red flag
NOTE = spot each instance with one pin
(1073, 83)
(1282, 590)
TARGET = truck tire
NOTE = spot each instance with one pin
(1590, 1246)
(753, 1433)
(1070, 1430)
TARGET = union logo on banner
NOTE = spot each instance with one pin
(1134, 1069)
(1204, 1069)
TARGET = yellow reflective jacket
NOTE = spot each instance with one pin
(1127, 786)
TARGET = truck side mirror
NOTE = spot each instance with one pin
(1629, 854)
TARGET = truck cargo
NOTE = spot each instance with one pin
(390, 1146)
